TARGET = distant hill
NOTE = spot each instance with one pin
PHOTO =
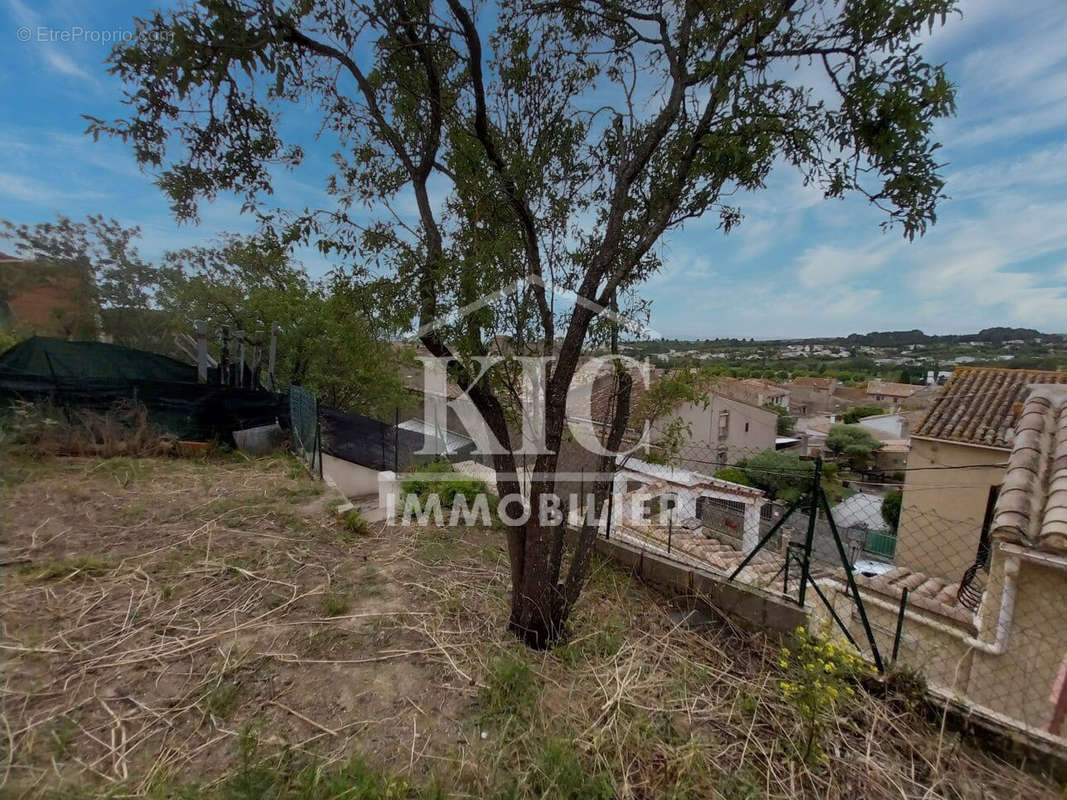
(996, 335)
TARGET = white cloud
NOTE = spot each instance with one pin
(52, 52)
(825, 265)
(1038, 168)
(35, 192)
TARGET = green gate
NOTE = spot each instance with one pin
(306, 430)
(880, 543)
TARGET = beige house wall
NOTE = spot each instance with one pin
(942, 509)
(1013, 681)
(1020, 681)
(749, 430)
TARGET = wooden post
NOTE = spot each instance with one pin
(240, 336)
(273, 356)
(200, 329)
(224, 358)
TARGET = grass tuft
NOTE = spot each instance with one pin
(79, 566)
(509, 688)
(334, 604)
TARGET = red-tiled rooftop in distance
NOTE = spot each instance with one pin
(889, 389)
(980, 405)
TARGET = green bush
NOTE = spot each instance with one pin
(891, 508)
(781, 474)
(447, 489)
(854, 415)
(819, 674)
(355, 523)
(734, 475)
(853, 442)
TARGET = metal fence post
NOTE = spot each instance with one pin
(900, 623)
(855, 592)
(670, 527)
(581, 494)
(813, 513)
(611, 497)
(396, 439)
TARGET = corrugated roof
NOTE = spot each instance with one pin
(980, 405)
(1032, 507)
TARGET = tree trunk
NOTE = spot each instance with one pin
(540, 601)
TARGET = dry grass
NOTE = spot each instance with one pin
(188, 628)
(124, 430)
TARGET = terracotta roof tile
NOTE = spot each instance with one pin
(880, 387)
(924, 592)
(1032, 507)
(980, 405)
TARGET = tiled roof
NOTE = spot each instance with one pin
(879, 387)
(684, 477)
(1032, 507)
(766, 386)
(738, 390)
(925, 592)
(819, 383)
(979, 405)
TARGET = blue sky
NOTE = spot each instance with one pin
(798, 265)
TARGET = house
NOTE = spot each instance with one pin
(48, 299)
(956, 467)
(767, 393)
(733, 425)
(811, 396)
(995, 647)
(893, 425)
(879, 391)
(892, 456)
(726, 427)
(689, 494)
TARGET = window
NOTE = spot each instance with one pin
(705, 504)
(724, 424)
(654, 506)
(984, 544)
(746, 427)
(720, 458)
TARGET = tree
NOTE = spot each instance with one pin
(734, 475)
(327, 341)
(783, 475)
(853, 442)
(891, 508)
(656, 406)
(785, 422)
(856, 413)
(94, 263)
(566, 138)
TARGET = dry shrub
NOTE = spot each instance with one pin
(45, 429)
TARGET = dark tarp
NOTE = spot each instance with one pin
(94, 376)
(59, 359)
(376, 445)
